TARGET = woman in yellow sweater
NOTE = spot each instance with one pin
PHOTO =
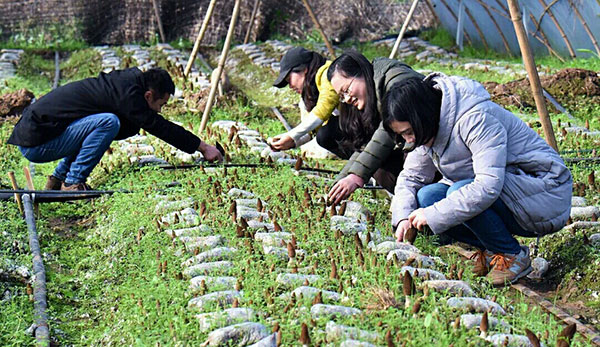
(306, 73)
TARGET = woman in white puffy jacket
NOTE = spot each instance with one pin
(500, 178)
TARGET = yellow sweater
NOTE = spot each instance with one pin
(328, 99)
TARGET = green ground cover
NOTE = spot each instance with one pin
(102, 257)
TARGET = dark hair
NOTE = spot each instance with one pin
(310, 92)
(415, 101)
(357, 126)
(159, 82)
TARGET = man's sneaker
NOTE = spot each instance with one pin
(75, 186)
(53, 183)
(482, 260)
(509, 268)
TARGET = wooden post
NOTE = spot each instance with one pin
(435, 16)
(585, 26)
(160, 26)
(319, 28)
(485, 44)
(560, 29)
(13, 182)
(282, 119)
(534, 79)
(209, 11)
(403, 29)
(217, 73)
(251, 23)
(487, 10)
(29, 182)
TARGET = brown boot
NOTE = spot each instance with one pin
(509, 268)
(75, 187)
(53, 183)
(482, 261)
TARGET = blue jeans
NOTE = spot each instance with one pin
(491, 230)
(81, 146)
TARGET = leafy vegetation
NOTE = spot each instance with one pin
(107, 284)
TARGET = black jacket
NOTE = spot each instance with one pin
(120, 92)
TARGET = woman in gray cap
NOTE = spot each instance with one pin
(305, 72)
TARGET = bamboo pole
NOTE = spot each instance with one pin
(29, 182)
(456, 19)
(585, 26)
(251, 23)
(560, 30)
(544, 39)
(534, 79)
(435, 16)
(506, 45)
(209, 11)
(217, 73)
(483, 40)
(159, 21)
(403, 29)
(319, 28)
(13, 182)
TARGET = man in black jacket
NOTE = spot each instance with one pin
(78, 121)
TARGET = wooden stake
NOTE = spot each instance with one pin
(160, 26)
(585, 26)
(217, 73)
(534, 79)
(28, 179)
(282, 119)
(251, 23)
(319, 28)
(30, 186)
(403, 29)
(504, 41)
(485, 44)
(560, 30)
(435, 16)
(13, 182)
(209, 11)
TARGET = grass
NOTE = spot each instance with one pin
(103, 256)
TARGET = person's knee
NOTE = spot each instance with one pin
(456, 186)
(323, 138)
(111, 123)
(426, 196)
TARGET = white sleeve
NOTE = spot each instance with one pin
(307, 125)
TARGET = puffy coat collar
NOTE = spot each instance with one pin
(459, 95)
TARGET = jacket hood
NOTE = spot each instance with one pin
(459, 95)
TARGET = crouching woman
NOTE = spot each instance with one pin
(500, 178)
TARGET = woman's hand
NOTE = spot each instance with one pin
(403, 226)
(344, 188)
(282, 142)
(417, 219)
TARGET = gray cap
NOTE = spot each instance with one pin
(292, 58)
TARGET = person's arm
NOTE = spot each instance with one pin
(375, 153)
(486, 139)
(326, 103)
(417, 172)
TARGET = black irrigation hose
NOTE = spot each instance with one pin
(42, 332)
(42, 196)
(580, 160)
